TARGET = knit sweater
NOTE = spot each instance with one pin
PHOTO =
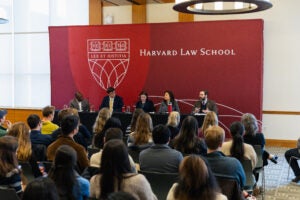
(135, 184)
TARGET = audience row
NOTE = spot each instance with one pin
(195, 155)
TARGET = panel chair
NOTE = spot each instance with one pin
(229, 187)
(259, 168)
(160, 182)
(8, 194)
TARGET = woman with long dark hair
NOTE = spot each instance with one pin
(196, 181)
(187, 141)
(169, 99)
(69, 184)
(236, 147)
(10, 174)
(41, 188)
(115, 175)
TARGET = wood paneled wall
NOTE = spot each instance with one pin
(95, 12)
(20, 115)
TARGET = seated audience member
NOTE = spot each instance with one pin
(196, 181)
(3, 121)
(168, 99)
(36, 137)
(236, 147)
(48, 115)
(141, 138)
(145, 103)
(293, 162)
(112, 101)
(252, 137)
(135, 115)
(103, 115)
(68, 183)
(173, 123)
(116, 175)
(41, 188)
(160, 157)
(110, 123)
(218, 162)
(187, 141)
(20, 131)
(120, 196)
(79, 102)
(10, 174)
(83, 137)
(201, 105)
(69, 128)
(111, 133)
(210, 119)
(38, 140)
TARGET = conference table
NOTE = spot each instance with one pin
(88, 118)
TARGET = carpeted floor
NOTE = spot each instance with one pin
(278, 184)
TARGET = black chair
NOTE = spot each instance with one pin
(40, 151)
(229, 187)
(250, 179)
(259, 168)
(8, 194)
(27, 171)
(89, 172)
(47, 165)
(92, 150)
(160, 182)
(135, 154)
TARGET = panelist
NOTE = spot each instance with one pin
(201, 105)
(79, 102)
(145, 103)
(112, 101)
(169, 100)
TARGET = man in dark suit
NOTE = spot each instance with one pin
(201, 105)
(112, 101)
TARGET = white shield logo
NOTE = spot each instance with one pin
(108, 60)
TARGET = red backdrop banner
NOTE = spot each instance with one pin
(223, 57)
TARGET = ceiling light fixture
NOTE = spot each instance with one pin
(221, 7)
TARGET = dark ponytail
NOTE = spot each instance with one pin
(237, 148)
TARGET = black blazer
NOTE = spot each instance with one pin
(118, 103)
(147, 107)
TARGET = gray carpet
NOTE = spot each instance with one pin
(278, 184)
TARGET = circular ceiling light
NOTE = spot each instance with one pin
(208, 7)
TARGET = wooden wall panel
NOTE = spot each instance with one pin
(139, 12)
(95, 12)
(182, 17)
(20, 115)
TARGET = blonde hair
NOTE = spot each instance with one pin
(143, 129)
(103, 115)
(173, 119)
(21, 132)
(210, 119)
(214, 137)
